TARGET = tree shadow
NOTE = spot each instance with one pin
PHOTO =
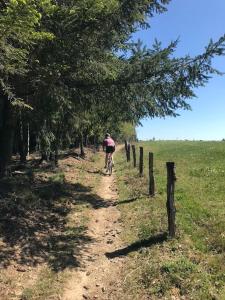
(70, 153)
(95, 171)
(157, 239)
(37, 163)
(33, 223)
(84, 195)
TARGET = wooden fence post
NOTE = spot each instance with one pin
(171, 210)
(141, 162)
(126, 149)
(134, 155)
(128, 152)
(151, 176)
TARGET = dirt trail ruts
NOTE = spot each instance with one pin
(99, 276)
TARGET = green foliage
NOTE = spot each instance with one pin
(74, 64)
(127, 132)
(19, 32)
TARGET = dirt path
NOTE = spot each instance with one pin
(99, 277)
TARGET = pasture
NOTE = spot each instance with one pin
(192, 265)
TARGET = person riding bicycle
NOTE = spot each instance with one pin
(109, 146)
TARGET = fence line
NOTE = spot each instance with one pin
(151, 176)
(126, 149)
(171, 210)
(134, 156)
(141, 161)
(171, 178)
(128, 152)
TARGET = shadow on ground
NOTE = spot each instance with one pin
(33, 223)
(157, 239)
(127, 201)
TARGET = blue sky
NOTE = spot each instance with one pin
(194, 22)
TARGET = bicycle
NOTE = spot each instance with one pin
(109, 164)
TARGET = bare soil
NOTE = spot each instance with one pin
(42, 228)
(100, 277)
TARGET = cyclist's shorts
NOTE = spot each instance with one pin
(110, 149)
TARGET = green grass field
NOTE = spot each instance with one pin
(192, 265)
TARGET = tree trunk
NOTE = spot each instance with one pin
(85, 140)
(23, 140)
(45, 156)
(7, 129)
(56, 158)
(82, 153)
(28, 139)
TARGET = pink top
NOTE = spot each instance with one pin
(109, 142)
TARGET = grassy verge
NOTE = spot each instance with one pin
(44, 228)
(192, 265)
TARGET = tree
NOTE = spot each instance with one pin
(19, 22)
(79, 66)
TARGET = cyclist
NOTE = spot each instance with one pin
(109, 146)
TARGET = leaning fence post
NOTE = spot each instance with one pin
(128, 152)
(171, 210)
(134, 155)
(141, 162)
(151, 176)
